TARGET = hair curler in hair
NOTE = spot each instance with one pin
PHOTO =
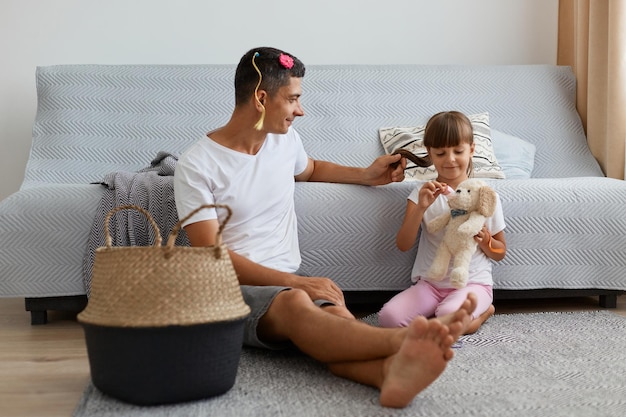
(259, 124)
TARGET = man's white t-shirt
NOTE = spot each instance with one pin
(258, 188)
(480, 265)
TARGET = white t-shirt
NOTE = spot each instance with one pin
(480, 265)
(258, 188)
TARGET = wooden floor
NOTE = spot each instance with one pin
(44, 369)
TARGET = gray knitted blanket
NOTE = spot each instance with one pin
(151, 188)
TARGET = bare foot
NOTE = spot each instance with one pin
(422, 357)
(477, 322)
(459, 321)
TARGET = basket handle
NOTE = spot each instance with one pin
(107, 218)
(218, 237)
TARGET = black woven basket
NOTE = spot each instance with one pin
(163, 324)
(160, 365)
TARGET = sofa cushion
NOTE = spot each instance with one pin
(515, 156)
(412, 139)
(43, 231)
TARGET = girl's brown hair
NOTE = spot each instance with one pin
(449, 129)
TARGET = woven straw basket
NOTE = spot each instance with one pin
(143, 286)
(164, 324)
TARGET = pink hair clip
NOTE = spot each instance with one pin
(286, 61)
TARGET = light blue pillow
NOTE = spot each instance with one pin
(515, 156)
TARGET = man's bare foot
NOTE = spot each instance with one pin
(422, 357)
(477, 322)
(459, 321)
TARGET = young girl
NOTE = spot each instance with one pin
(449, 140)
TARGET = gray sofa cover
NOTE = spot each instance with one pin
(566, 226)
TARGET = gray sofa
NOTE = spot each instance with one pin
(566, 225)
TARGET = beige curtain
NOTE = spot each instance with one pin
(592, 40)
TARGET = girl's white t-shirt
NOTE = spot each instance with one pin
(259, 189)
(480, 265)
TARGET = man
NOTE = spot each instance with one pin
(251, 164)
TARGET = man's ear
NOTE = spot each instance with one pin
(259, 98)
(261, 95)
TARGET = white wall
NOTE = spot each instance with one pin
(49, 32)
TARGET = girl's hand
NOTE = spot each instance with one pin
(430, 191)
(493, 246)
(482, 237)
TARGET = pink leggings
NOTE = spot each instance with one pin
(424, 299)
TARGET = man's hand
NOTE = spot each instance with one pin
(385, 169)
(320, 288)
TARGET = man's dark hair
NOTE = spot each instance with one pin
(275, 74)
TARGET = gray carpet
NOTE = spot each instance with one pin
(543, 364)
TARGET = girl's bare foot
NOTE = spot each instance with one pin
(459, 322)
(477, 322)
(422, 357)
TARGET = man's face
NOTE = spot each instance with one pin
(282, 108)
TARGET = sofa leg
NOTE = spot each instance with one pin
(608, 301)
(38, 317)
(39, 307)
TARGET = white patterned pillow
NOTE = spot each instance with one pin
(412, 139)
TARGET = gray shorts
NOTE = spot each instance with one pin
(259, 299)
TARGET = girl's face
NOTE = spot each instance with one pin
(452, 162)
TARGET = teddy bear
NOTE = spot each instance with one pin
(470, 205)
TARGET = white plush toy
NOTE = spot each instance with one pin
(471, 203)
